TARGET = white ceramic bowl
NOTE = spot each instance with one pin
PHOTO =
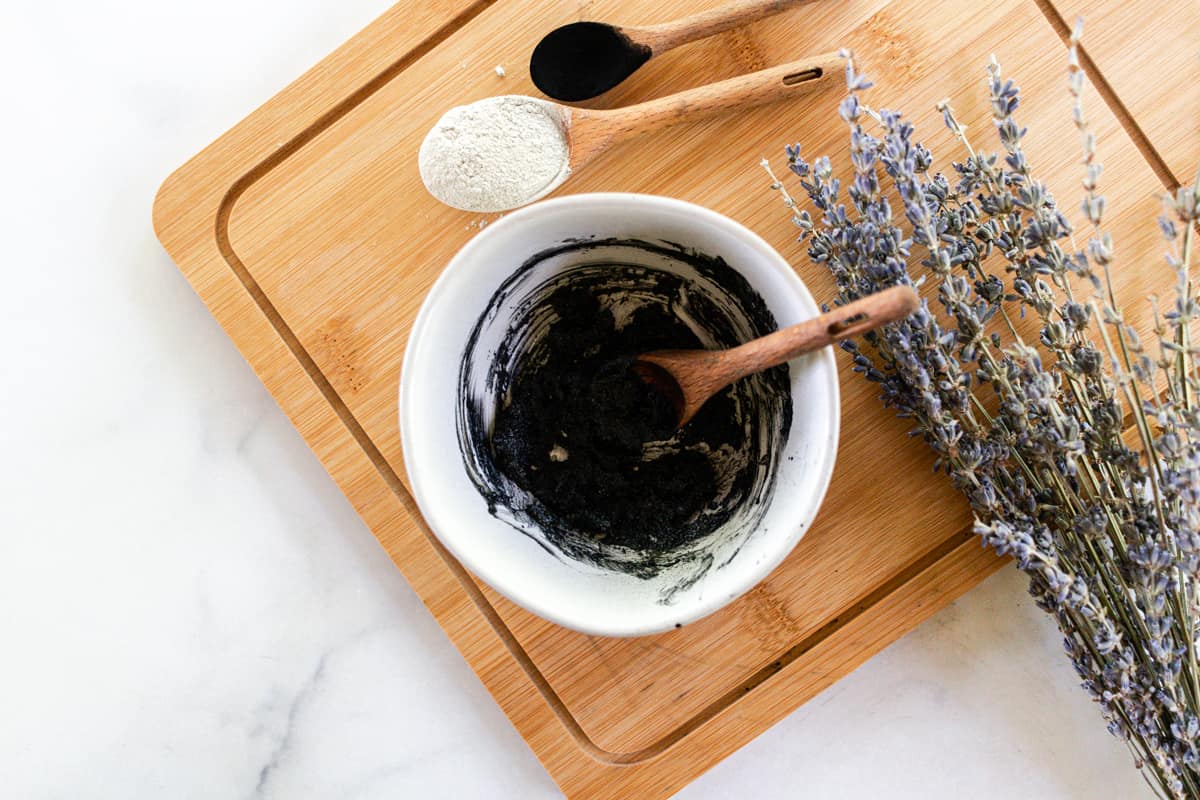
(526, 569)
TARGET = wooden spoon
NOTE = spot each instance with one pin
(688, 378)
(585, 59)
(591, 131)
(585, 133)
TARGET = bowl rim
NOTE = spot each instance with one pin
(773, 556)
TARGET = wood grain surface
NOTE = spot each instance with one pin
(308, 233)
(1147, 54)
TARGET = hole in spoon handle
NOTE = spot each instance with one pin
(845, 327)
(872, 311)
(803, 76)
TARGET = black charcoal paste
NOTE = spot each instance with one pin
(564, 441)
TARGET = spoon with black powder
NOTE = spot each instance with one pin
(688, 378)
(585, 59)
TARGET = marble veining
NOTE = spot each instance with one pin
(284, 742)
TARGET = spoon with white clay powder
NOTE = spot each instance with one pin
(503, 152)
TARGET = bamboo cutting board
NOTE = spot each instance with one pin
(307, 232)
(1148, 54)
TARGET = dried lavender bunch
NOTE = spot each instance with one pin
(1031, 432)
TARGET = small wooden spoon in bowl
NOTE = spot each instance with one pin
(688, 378)
(582, 60)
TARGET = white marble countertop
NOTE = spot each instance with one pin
(189, 608)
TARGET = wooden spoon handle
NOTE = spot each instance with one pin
(668, 35)
(864, 314)
(591, 131)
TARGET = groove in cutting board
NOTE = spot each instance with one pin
(1097, 78)
(331, 220)
(666, 736)
(802, 651)
(1148, 52)
(397, 487)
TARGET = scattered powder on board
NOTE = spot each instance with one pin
(495, 154)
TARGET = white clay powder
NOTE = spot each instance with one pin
(496, 154)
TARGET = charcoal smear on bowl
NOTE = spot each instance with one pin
(565, 444)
